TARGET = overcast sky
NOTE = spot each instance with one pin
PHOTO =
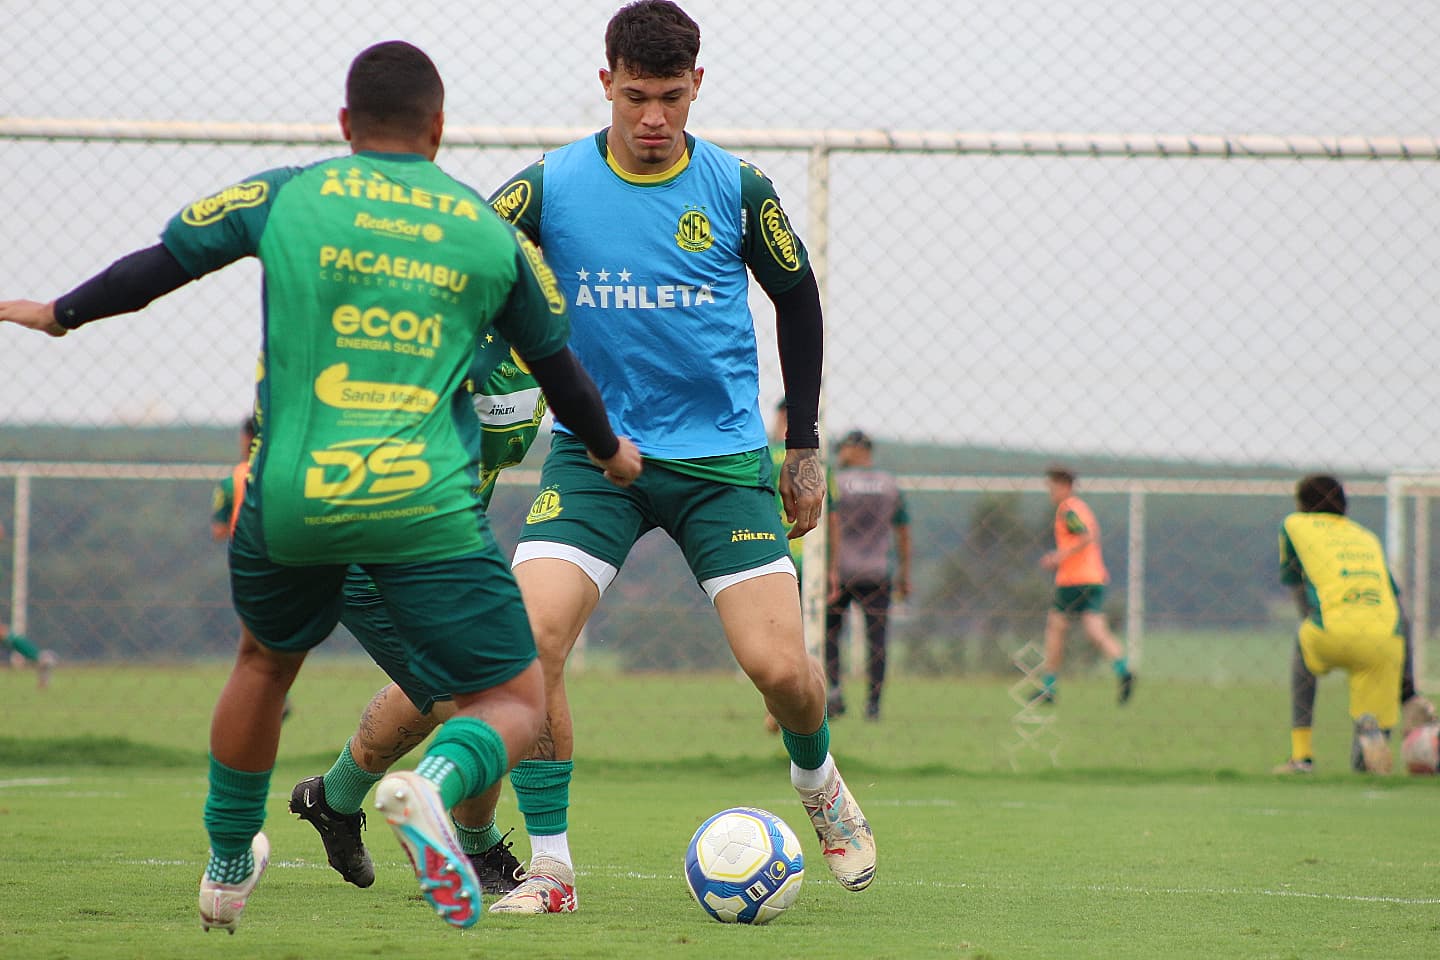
(1275, 311)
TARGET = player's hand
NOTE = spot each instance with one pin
(32, 315)
(1050, 561)
(624, 466)
(802, 490)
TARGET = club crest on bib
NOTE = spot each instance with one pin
(693, 231)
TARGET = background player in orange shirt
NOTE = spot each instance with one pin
(230, 491)
(1080, 579)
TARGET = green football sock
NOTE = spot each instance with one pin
(808, 750)
(542, 789)
(24, 647)
(347, 783)
(477, 839)
(1121, 666)
(230, 869)
(466, 757)
(1049, 681)
(234, 813)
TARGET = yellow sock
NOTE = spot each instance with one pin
(1300, 743)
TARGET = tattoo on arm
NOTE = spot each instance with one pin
(806, 475)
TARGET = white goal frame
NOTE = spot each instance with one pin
(819, 144)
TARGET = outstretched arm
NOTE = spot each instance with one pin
(123, 287)
(32, 316)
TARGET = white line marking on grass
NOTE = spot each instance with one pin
(616, 874)
(34, 782)
(1237, 892)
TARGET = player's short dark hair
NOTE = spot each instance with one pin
(1320, 493)
(393, 87)
(248, 426)
(652, 38)
(857, 438)
(1060, 474)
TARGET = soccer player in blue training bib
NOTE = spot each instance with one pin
(368, 452)
(651, 232)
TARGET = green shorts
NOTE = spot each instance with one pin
(721, 528)
(450, 626)
(1084, 598)
(366, 616)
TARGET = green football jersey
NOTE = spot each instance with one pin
(382, 273)
(509, 406)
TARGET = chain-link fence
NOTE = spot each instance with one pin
(1231, 277)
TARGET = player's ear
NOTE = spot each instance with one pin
(606, 80)
(437, 132)
(345, 123)
(699, 75)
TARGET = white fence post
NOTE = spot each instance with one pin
(1135, 579)
(1420, 596)
(815, 579)
(20, 555)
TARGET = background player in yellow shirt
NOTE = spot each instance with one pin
(1350, 620)
(1080, 579)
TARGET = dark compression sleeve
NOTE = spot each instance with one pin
(800, 336)
(125, 286)
(575, 401)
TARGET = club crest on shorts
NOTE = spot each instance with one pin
(546, 507)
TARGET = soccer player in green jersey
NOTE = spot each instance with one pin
(510, 406)
(382, 273)
(655, 234)
(23, 652)
(225, 503)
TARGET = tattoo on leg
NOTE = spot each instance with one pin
(544, 748)
(406, 739)
(368, 725)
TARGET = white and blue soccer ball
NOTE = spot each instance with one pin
(744, 865)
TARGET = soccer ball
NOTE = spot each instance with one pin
(744, 865)
(1421, 749)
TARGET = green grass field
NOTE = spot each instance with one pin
(1159, 833)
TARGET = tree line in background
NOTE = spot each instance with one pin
(126, 569)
